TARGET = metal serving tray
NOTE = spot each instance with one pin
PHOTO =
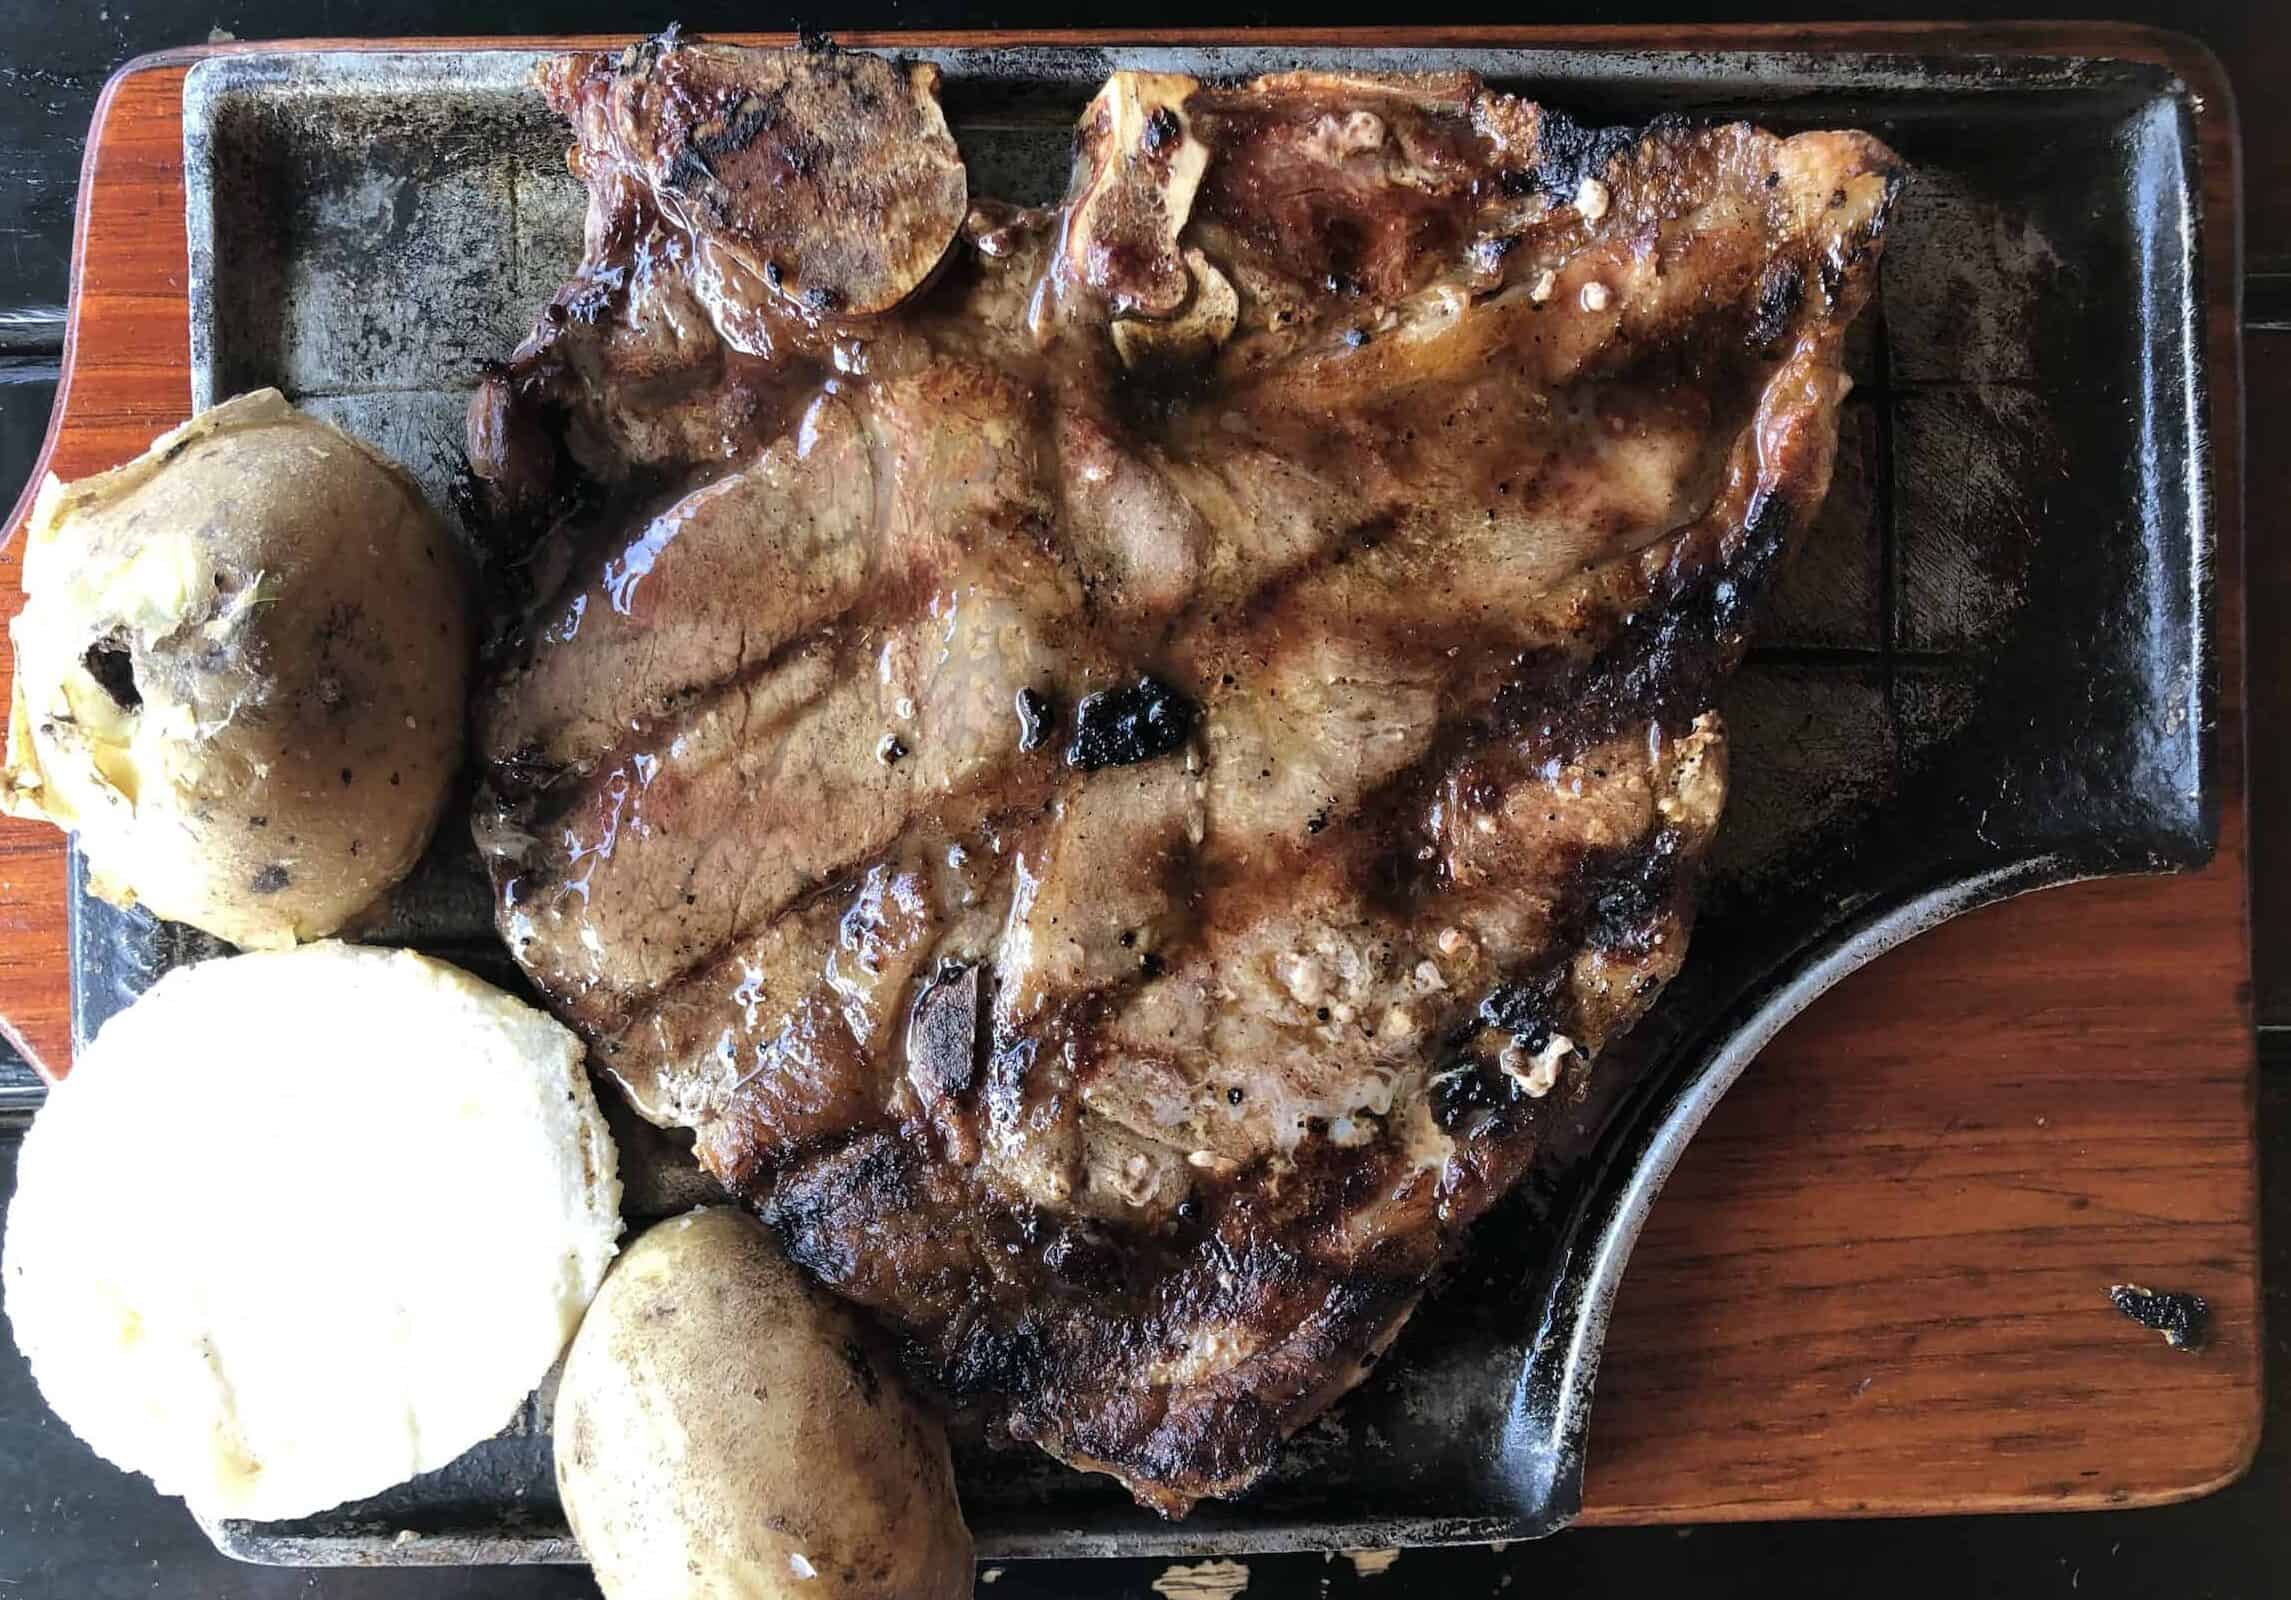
(1991, 670)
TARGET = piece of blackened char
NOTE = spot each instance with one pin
(1118, 764)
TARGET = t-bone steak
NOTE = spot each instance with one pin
(1119, 764)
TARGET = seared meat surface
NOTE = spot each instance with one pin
(1118, 764)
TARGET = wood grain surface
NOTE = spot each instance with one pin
(1877, 1284)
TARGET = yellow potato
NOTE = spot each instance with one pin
(405, 1197)
(725, 1431)
(241, 670)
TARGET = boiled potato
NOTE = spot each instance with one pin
(724, 1432)
(390, 1197)
(241, 669)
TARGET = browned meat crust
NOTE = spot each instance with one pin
(1119, 765)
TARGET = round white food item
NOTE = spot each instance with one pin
(241, 669)
(302, 1224)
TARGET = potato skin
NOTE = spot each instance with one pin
(726, 1431)
(242, 671)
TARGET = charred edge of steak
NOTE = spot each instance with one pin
(1073, 1380)
(1057, 1350)
(1671, 653)
(1567, 152)
(1622, 898)
(1188, 1451)
(1780, 292)
(1664, 663)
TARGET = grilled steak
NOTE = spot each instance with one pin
(1119, 764)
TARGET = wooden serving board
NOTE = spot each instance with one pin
(1878, 1283)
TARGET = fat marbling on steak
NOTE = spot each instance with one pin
(1118, 763)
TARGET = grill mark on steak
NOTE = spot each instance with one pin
(1369, 478)
(908, 601)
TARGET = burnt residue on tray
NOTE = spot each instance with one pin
(2182, 1318)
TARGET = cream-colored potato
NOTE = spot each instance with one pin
(303, 1223)
(241, 668)
(724, 1432)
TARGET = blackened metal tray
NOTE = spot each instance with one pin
(1992, 668)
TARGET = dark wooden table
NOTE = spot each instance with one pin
(85, 1530)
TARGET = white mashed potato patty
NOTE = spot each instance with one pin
(302, 1224)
